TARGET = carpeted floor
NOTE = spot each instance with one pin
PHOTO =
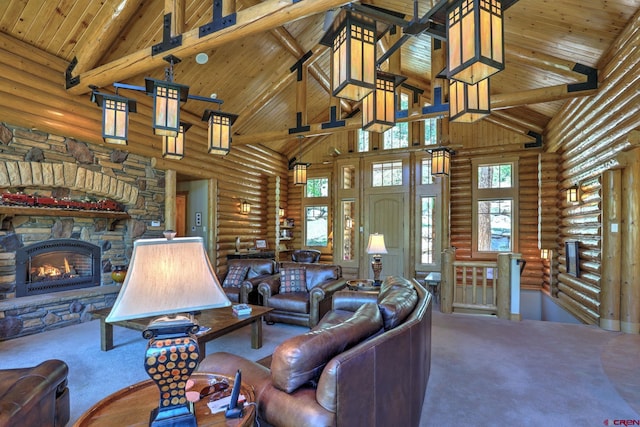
(484, 371)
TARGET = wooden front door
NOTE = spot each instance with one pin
(388, 214)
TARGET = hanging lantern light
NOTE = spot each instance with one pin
(475, 40)
(173, 147)
(167, 96)
(468, 103)
(440, 161)
(219, 131)
(379, 107)
(300, 173)
(115, 116)
(352, 39)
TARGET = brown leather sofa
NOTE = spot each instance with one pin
(246, 292)
(35, 396)
(366, 363)
(308, 305)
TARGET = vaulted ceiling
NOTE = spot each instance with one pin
(249, 62)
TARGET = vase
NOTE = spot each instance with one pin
(118, 273)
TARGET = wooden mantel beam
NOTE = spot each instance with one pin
(263, 17)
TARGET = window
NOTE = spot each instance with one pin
(387, 174)
(316, 225)
(317, 187)
(426, 177)
(348, 230)
(431, 132)
(427, 240)
(495, 202)
(363, 141)
(398, 136)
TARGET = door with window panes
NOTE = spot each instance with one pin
(316, 214)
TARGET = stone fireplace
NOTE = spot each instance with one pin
(57, 265)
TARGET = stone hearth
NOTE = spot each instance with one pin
(41, 164)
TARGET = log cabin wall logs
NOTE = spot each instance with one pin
(589, 133)
(461, 206)
(548, 216)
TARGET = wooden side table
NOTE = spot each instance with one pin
(132, 405)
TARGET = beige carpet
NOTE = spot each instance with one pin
(484, 371)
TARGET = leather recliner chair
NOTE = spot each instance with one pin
(305, 255)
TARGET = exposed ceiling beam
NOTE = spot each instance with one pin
(257, 19)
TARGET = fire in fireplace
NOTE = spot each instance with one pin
(57, 265)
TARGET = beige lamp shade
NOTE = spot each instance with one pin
(168, 277)
(376, 244)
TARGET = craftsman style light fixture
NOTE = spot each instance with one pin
(169, 280)
(245, 207)
(115, 116)
(173, 147)
(475, 40)
(468, 103)
(219, 131)
(440, 161)
(544, 253)
(376, 249)
(572, 194)
(379, 107)
(352, 40)
(300, 168)
(167, 96)
(281, 212)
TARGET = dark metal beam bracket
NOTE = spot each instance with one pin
(168, 42)
(219, 22)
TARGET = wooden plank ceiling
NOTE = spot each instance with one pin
(250, 69)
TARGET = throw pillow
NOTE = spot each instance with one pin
(235, 276)
(302, 358)
(293, 279)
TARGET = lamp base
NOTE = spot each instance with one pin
(172, 356)
(376, 266)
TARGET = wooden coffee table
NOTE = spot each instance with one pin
(132, 405)
(221, 321)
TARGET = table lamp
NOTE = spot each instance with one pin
(376, 248)
(173, 279)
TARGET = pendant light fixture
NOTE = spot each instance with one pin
(219, 131)
(379, 107)
(352, 40)
(468, 102)
(167, 97)
(115, 116)
(441, 156)
(300, 168)
(475, 40)
(173, 147)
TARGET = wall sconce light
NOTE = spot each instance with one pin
(376, 248)
(348, 223)
(352, 40)
(441, 161)
(379, 106)
(544, 253)
(468, 102)
(281, 212)
(572, 194)
(173, 147)
(115, 116)
(245, 207)
(219, 131)
(475, 40)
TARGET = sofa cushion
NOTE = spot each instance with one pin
(319, 273)
(235, 276)
(292, 279)
(396, 303)
(295, 302)
(301, 359)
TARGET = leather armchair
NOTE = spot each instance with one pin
(35, 396)
(246, 292)
(307, 307)
(305, 255)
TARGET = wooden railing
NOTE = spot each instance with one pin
(478, 287)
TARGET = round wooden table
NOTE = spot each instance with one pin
(132, 405)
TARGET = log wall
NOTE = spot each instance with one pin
(588, 134)
(461, 206)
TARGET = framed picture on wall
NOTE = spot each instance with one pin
(573, 258)
(261, 244)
